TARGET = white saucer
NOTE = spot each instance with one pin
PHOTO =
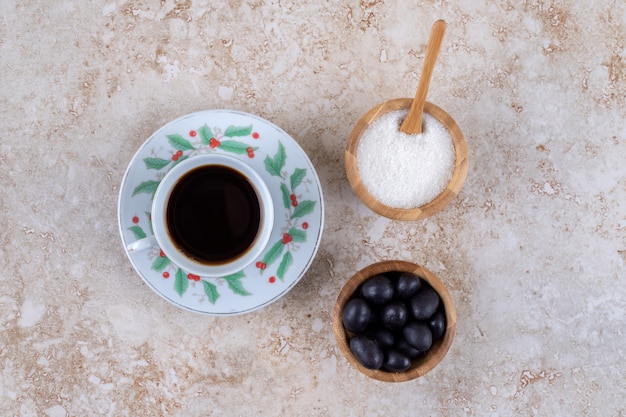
(287, 171)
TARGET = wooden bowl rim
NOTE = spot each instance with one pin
(442, 200)
(440, 348)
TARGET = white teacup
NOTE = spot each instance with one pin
(212, 215)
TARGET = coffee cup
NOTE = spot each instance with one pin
(212, 215)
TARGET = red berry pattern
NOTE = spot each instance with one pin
(161, 253)
(261, 265)
(135, 219)
(305, 225)
(255, 135)
(177, 155)
(193, 277)
(166, 275)
(272, 279)
(250, 152)
(294, 200)
(214, 143)
(287, 238)
(193, 133)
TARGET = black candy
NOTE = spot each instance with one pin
(394, 315)
(437, 324)
(418, 335)
(407, 285)
(424, 304)
(367, 351)
(356, 315)
(396, 362)
(377, 290)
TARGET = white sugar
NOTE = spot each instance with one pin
(405, 171)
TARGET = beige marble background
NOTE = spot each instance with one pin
(533, 250)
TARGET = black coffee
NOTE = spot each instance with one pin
(213, 214)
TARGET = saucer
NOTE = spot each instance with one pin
(296, 194)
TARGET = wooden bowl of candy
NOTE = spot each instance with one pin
(406, 177)
(394, 321)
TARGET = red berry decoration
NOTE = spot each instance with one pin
(305, 225)
(272, 279)
(161, 253)
(179, 153)
(193, 277)
(214, 143)
(255, 135)
(287, 238)
(261, 265)
(135, 219)
(166, 275)
(175, 157)
(192, 133)
(250, 152)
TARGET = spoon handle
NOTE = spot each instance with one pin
(413, 122)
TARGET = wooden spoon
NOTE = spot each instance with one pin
(413, 122)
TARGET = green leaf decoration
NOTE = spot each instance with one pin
(275, 164)
(297, 177)
(156, 163)
(211, 291)
(274, 253)
(232, 131)
(138, 232)
(235, 146)
(285, 192)
(297, 235)
(179, 142)
(148, 187)
(284, 265)
(303, 208)
(205, 134)
(160, 263)
(234, 283)
(270, 167)
(181, 283)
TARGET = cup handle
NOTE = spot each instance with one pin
(142, 244)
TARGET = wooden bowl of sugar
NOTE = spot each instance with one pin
(406, 177)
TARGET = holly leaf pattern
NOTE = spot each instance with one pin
(181, 283)
(297, 235)
(160, 263)
(235, 146)
(297, 177)
(137, 232)
(275, 165)
(285, 193)
(303, 208)
(232, 131)
(284, 265)
(205, 134)
(179, 142)
(211, 291)
(234, 283)
(274, 253)
(156, 163)
(148, 187)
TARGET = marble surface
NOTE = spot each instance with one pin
(532, 250)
